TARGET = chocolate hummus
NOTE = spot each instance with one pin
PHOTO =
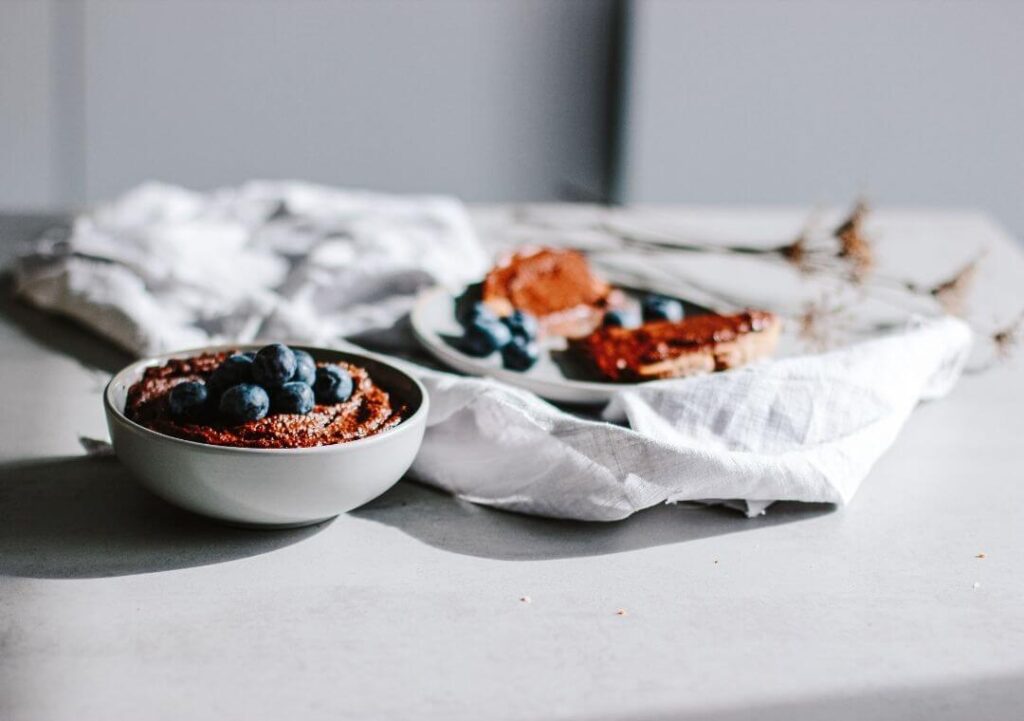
(366, 412)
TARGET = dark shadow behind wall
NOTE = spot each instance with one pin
(483, 99)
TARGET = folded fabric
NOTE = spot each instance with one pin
(802, 429)
(164, 268)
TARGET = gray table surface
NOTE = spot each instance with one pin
(114, 605)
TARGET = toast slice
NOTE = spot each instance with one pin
(554, 285)
(670, 349)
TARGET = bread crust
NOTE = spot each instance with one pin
(555, 285)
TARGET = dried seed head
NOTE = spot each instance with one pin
(854, 221)
(1009, 338)
(802, 253)
(796, 253)
(854, 246)
(952, 293)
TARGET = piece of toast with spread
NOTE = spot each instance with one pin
(670, 349)
(554, 285)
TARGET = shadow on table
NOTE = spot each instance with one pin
(984, 698)
(86, 517)
(439, 520)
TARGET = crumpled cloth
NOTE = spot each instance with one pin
(163, 268)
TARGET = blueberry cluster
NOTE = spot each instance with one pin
(652, 307)
(274, 379)
(514, 335)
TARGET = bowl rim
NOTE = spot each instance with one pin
(406, 425)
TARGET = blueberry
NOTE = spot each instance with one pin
(658, 307)
(187, 398)
(483, 337)
(244, 402)
(275, 364)
(293, 397)
(333, 385)
(468, 303)
(522, 324)
(519, 355)
(477, 313)
(305, 368)
(478, 345)
(233, 370)
(621, 318)
(250, 354)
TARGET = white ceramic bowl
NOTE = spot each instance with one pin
(270, 487)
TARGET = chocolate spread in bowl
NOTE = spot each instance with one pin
(366, 412)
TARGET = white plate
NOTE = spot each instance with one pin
(433, 319)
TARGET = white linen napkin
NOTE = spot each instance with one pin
(803, 429)
(163, 268)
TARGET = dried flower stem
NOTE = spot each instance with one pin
(854, 245)
(1006, 340)
(668, 243)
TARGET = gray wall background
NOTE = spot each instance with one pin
(913, 102)
(489, 100)
(723, 101)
